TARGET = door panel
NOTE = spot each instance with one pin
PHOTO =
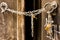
(56, 20)
(12, 25)
(8, 22)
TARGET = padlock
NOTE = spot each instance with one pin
(48, 28)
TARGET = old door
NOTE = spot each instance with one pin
(55, 17)
(12, 25)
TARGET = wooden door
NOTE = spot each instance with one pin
(12, 25)
(56, 19)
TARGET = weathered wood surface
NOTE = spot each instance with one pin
(8, 22)
(44, 14)
(58, 16)
(11, 23)
(20, 20)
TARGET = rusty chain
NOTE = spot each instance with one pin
(4, 7)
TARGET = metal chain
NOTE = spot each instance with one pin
(4, 7)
